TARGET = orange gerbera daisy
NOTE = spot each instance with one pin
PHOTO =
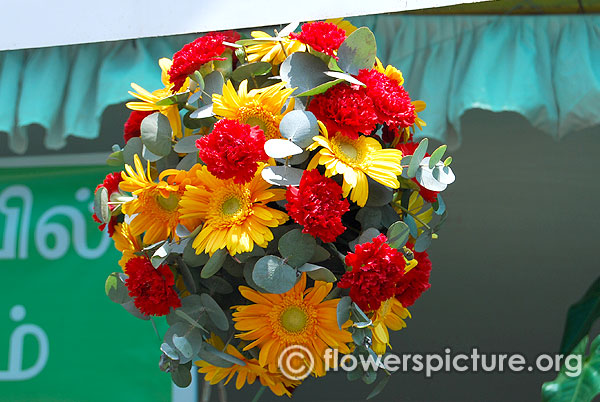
(298, 317)
(277, 383)
(126, 242)
(156, 206)
(235, 216)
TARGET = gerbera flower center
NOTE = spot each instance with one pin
(231, 206)
(293, 319)
(170, 203)
(257, 116)
(347, 149)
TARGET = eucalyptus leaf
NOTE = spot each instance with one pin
(281, 148)
(246, 71)
(115, 159)
(156, 134)
(345, 77)
(322, 88)
(195, 97)
(417, 157)
(444, 174)
(188, 161)
(215, 312)
(203, 112)
(379, 195)
(115, 289)
(369, 217)
(448, 161)
(187, 144)
(191, 258)
(320, 255)
(160, 255)
(218, 358)
(303, 71)
(101, 205)
(185, 340)
(288, 29)
(274, 275)
(439, 206)
(182, 375)
(412, 225)
(133, 147)
(217, 284)
(149, 156)
(130, 307)
(365, 237)
(358, 51)
(398, 234)
(183, 346)
(297, 247)
(369, 377)
(379, 387)
(437, 155)
(214, 263)
(318, 273)
(343, 310)
(299, 127)
(426, 179)
(282, 175)
(423, 242)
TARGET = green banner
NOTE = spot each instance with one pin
(61, 338)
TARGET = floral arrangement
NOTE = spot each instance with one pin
(272, 196)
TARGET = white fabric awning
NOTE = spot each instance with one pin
(33, 23)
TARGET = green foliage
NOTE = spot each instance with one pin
(214, 264)
(580, 317)
(182, 375)
(297, 247)
(156, 134)
(299, 127)
(213, 85)
(273, 275)
(218, 358)
(318, 273)
(358, 51)
(303, 71)
(417, 157)
(320, 255)
(424, 241)
(343, 310)
(569, 387)
(191, 258)
(321, 88)
(369, 217)
(379, 387)
(282, 175)
(398, 234)
(115, 159)
(187, 144)
(115, 288)
(215, 312)
(101, 205)
(248, 71)
(281, 148)
(437, 155)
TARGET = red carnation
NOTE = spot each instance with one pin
(152, 289)
(415, 281)
(111, 184)
(233, 150)
(193, 55)
(376, 268)
(409, 148)
(133, 124)
(324, 37)
(392, 103)
(345, 109)
(317, 204)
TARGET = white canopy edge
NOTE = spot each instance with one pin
(33, 23)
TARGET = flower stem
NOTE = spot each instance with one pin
(259, 393)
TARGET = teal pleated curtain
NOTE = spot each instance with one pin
(546, 68)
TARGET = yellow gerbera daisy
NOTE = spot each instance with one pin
(279, 384)
(235, 215)
(259, 107)
(149, 99)
(156, 204)
(297, 317)
(356, 159)
(390, 315)
(126, 242)
(272, 50)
